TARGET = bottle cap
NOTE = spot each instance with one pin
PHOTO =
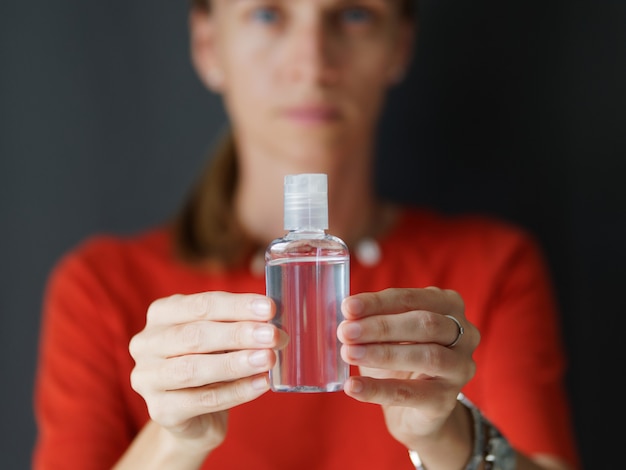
(306, 201)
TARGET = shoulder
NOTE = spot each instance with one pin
(493, 263)
(113, 248)
(464, 248)
(101, 255)
(466, 231)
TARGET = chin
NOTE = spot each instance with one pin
(316, 151)
(321, 138)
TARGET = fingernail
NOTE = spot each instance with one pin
(258, 358)
(352, 330)
(263, 334)
(260, 383)
(356, 352)
(261, 307)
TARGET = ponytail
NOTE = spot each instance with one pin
(206, 228)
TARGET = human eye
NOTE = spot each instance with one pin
(356, 15)
(266, 15)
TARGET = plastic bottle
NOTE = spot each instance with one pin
(307, 275)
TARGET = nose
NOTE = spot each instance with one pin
(312, 56)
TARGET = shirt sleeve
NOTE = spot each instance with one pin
(81, 419)
(523, 384)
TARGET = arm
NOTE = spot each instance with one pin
(197, 357)
(80, 416)
(398, 338)
(82, 383)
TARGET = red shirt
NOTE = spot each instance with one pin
(97, 298)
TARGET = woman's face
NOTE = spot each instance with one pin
(305, 76)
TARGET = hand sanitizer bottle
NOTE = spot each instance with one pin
(307, 275)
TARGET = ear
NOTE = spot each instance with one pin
(204, 54)
(403, 52)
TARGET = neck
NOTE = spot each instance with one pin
(353, 211)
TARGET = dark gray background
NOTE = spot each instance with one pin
(511, 108)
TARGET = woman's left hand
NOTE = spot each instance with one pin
(401, 340)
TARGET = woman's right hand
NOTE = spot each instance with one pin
(200, 355)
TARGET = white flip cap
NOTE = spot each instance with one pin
(306, 201)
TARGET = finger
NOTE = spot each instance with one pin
(217, 306)
(205, 337)
(414, 326)
(196, 370)
(392, 301)
(432, 394)
(428, 360)
(172, 408)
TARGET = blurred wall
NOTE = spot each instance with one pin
(511, 108)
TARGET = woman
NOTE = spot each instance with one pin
(185, 385)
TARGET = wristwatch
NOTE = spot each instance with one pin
(490, 446)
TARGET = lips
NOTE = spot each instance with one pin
(312, 114)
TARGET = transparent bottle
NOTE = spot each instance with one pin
(307, 274)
